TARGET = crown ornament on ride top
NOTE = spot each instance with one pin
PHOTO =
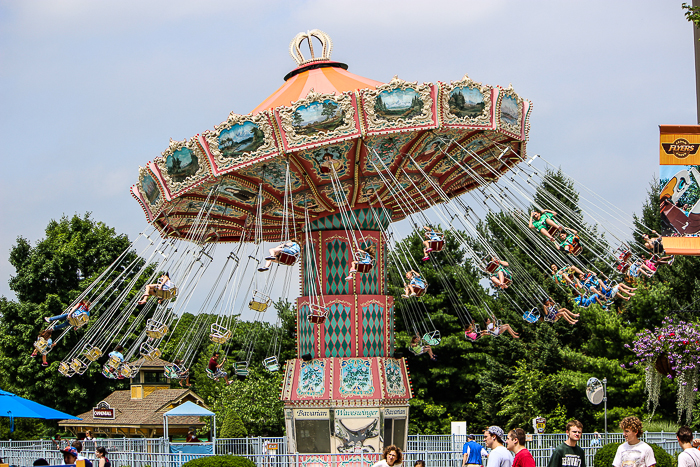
(295, 46)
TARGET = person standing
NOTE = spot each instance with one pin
(516, 444)
(499, 456)
(78, 446)
(690, 457)
(472, 453)
(632, 430)
(569, 453)
(391, 456)
(101, 454)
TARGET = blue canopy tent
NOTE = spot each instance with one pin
(13, 406)
(190, 409)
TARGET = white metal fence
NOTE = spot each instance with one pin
(437, 451)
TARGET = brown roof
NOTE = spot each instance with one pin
(155, 363)
(146, 411)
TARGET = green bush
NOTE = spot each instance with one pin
(663, 459)
(220, 461)
(233, 426)
(605, 455)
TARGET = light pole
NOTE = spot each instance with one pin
(605, 400)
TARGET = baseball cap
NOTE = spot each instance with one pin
(496, 431)
(71, 450)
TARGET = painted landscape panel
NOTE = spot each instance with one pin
(181, 164)
(399, 103)
(509, 110)
(466, 102)
(241, 138)
(150, 188)
(236, 192)
(317, 117)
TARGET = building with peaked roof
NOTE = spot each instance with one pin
(138, 411)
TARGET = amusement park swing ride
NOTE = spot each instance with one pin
(323, 167)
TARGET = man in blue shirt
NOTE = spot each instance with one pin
(472, 453)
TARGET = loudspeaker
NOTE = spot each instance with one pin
(307, 357)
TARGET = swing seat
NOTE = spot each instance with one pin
(241, 368)
(149, 352)
(166, 294)
(65, 369)
(432, 338)
(211, 375)
(419, 291)
(476, 330)
(42, 346)
(260, 302)
(114, 362)
(363, 267)
(625, 255)
(491, 267)
(575, 248)
(128, 372)
(532, 316)
(219, 334)
(79, 320)
(92, 353)
(436, 245)
(317, 314)
(496, 330)
(552, 230)
(156, 329)
(108, 372)
(173, 372)
(271, 364)
(286, 259)
(78, 366)
(546, 317)
(507, 281)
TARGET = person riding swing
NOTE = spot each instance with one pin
(540, 221)
(434, 241)
(364, 258)
(164, 289)
(416, 285)
(285, 253)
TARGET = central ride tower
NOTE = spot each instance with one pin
(345, 392)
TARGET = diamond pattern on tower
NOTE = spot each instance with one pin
(310, 274)
(372, 330)
(365, 218)
(337, 266)
(306, 331)
(338, 332)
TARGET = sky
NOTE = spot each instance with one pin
(91, 90)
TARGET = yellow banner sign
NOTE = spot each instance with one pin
(679, 145)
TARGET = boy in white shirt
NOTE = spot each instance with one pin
(690, 457)
(632, 430)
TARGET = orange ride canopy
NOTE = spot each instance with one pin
(427, 141)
